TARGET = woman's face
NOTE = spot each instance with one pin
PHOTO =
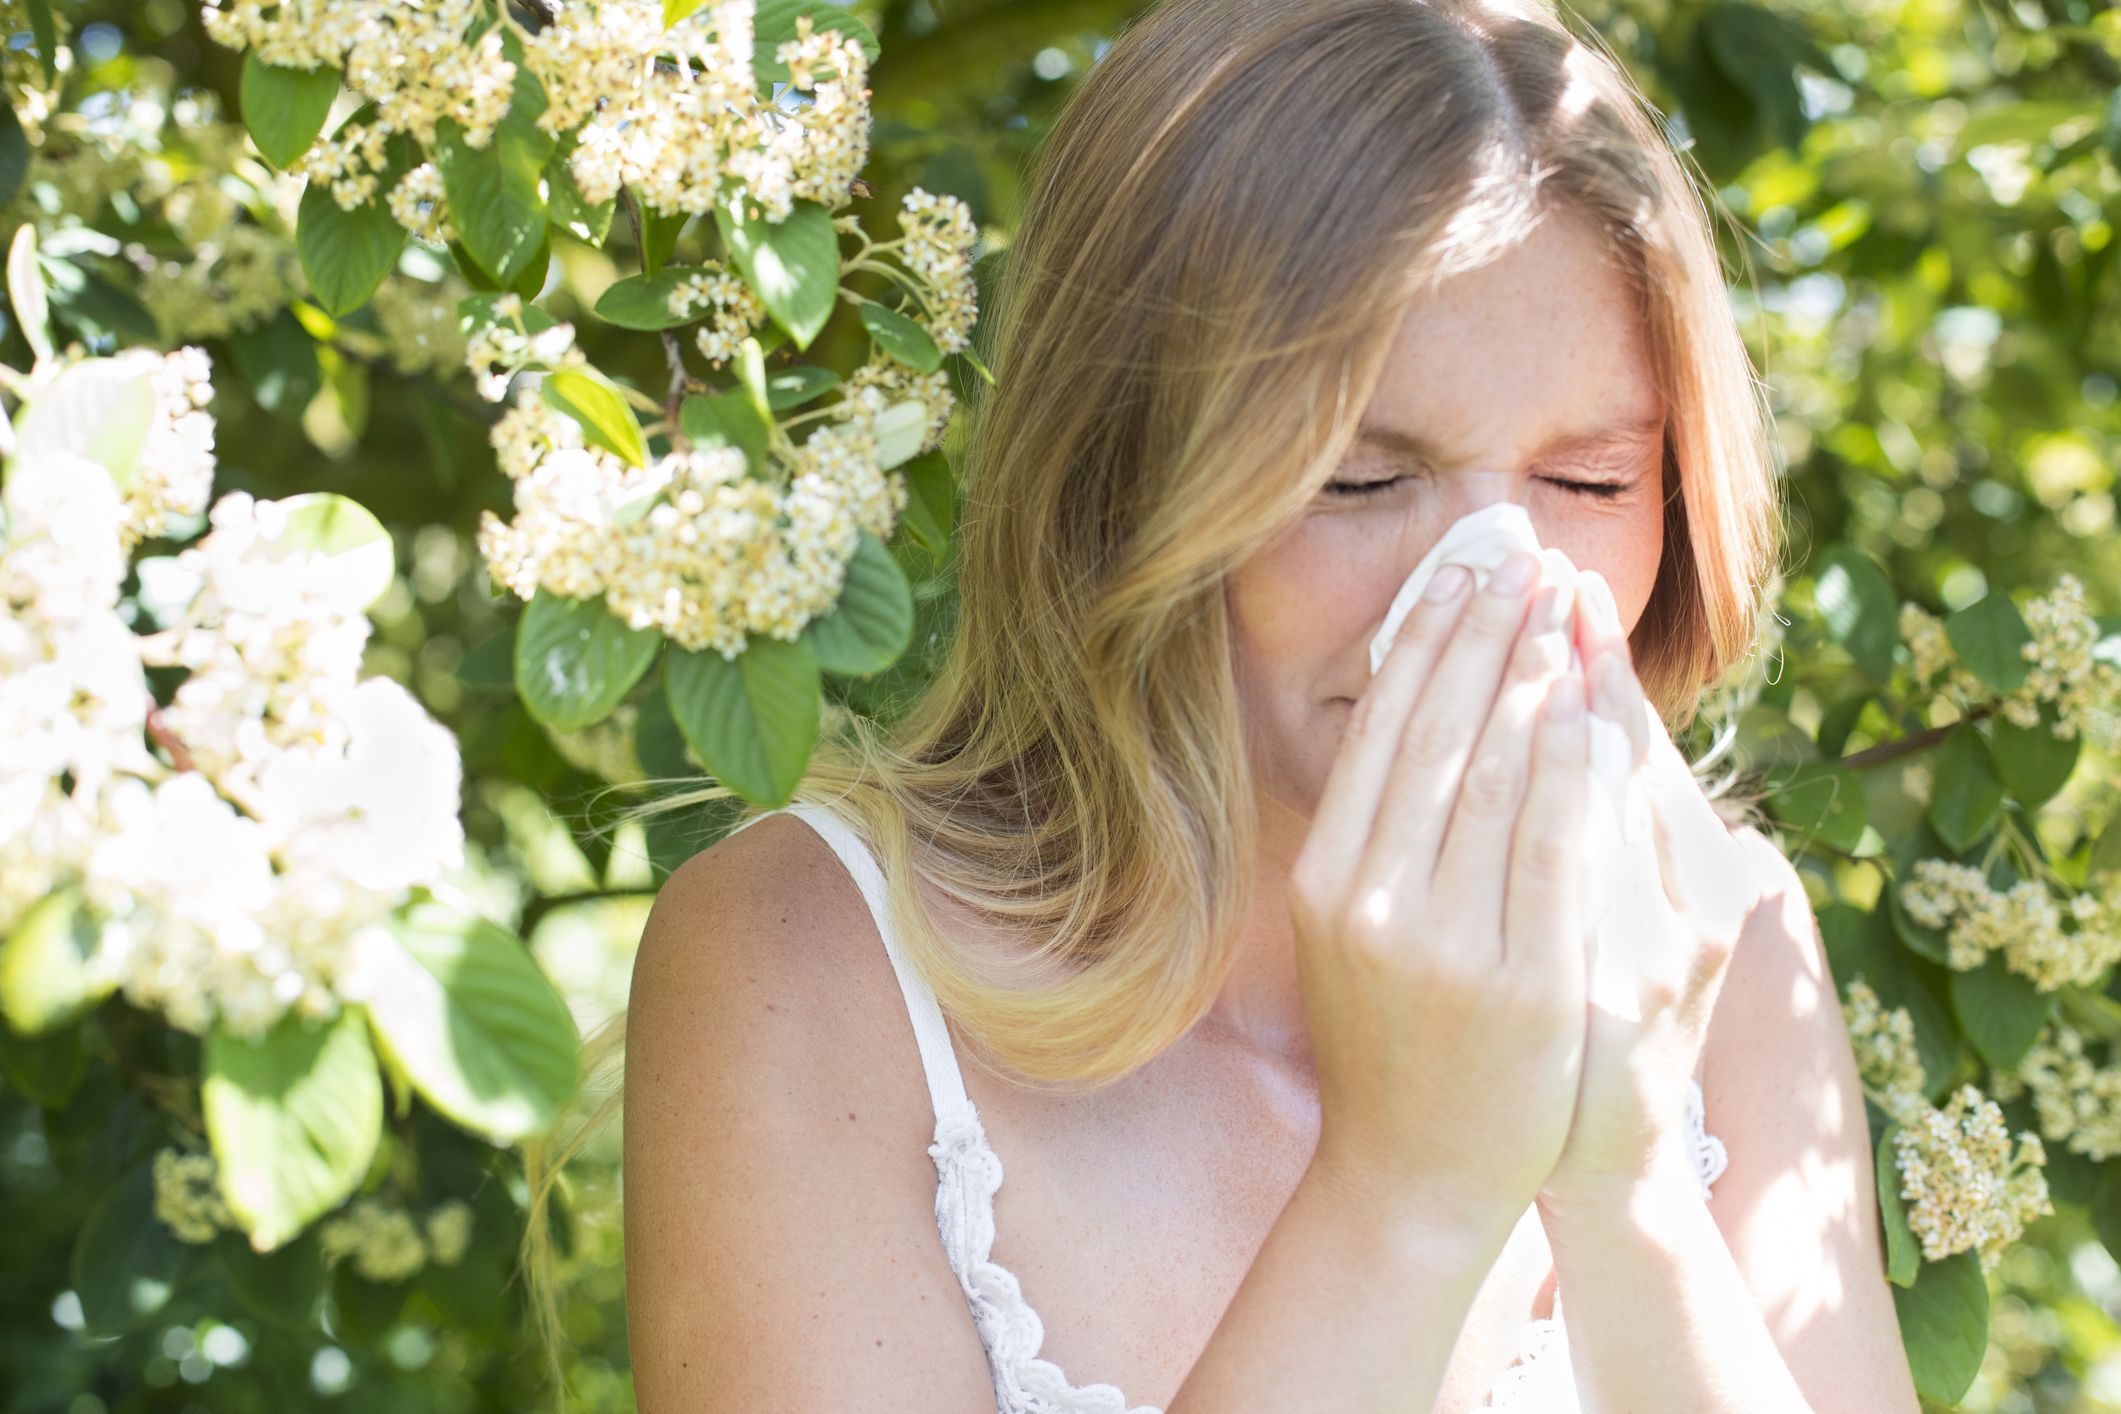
(1506, 383)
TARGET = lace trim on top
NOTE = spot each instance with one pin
(1539, 1378)
(968, 1172)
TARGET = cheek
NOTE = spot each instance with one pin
(1625, 547)
(1306, 603)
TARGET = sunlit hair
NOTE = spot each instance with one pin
(1226, 224)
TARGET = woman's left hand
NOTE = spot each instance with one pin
(1677, 925)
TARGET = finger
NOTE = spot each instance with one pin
(1439, 734)
(1473, 865)
(1609, 636)
(1347, 806)
(1542, 912)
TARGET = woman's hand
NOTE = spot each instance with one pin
(1674, 922)
(1438, 917)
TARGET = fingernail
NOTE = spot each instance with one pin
(1447, 584)
(1514, 574)
(1551, 609)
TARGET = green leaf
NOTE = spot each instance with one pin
(44, 976)
(342, 550)
(752, 720)
(594, 401)
(872, 623)
(794, 266)
(1858, 607)
(93, 307)
(282, 1286)
(1822, 800)
(1944, 1325)
(931, 506)
(285, 109)
(798, 385)
(126, 1263)
(900, 337)
(773, 24)
(2000, 1011)
(643, 301)
(25, 290)
(726, 420)
(899, 430)
(659, 236)
(2105, 1205)
(46, 35)
(293, 1117)
(14, 154)
(484, 1036)
(750, 370)
(278, 359)
(97, 409)
(1903, 1254)
(47, 1069)
(530, 283)
(345, 254)
(1965, 792)
(587, 221)
(1922, 940)
(494, 191)
(574, 660)
(1989, 636)
(2033, 762)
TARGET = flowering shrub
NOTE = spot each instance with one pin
(216, 818)
(576, 297)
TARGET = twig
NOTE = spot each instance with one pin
(1911, 743)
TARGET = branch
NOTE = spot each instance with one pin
(1908, 745)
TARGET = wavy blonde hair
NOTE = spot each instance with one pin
(1230, 217)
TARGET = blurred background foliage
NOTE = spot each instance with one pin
(1920, 199)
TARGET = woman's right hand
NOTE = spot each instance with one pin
(1437, 909)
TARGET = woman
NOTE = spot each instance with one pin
(1270, 971)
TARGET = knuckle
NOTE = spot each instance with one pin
(1544, 856)
(1428, 740)
(1490, 785)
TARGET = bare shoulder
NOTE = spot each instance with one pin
(780, 1222)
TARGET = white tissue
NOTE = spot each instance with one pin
(1618, 817)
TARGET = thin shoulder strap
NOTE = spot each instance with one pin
(946, 1084)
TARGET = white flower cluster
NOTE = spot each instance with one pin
(734, 307)
(2024, 923)
(671, 112)
(937, 246)
(417, 325)
(2069, 670)
(1886, 1056)
(418, 64)
(2077, 1102)
(386, 1243)
(1964, 1184)
(298, 805)
(499, 351)
(892, 381)
(188, 1197)
(237, 280)
(418, 204)
(689, 545)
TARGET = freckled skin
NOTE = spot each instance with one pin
(1542, 342)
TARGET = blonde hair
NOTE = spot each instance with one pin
(1225, 226)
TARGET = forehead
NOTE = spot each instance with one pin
(1543, 344)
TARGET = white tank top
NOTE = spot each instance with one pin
(968, 1172)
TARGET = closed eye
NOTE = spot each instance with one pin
(1603, 490)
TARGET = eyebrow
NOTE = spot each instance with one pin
(1613, 436)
